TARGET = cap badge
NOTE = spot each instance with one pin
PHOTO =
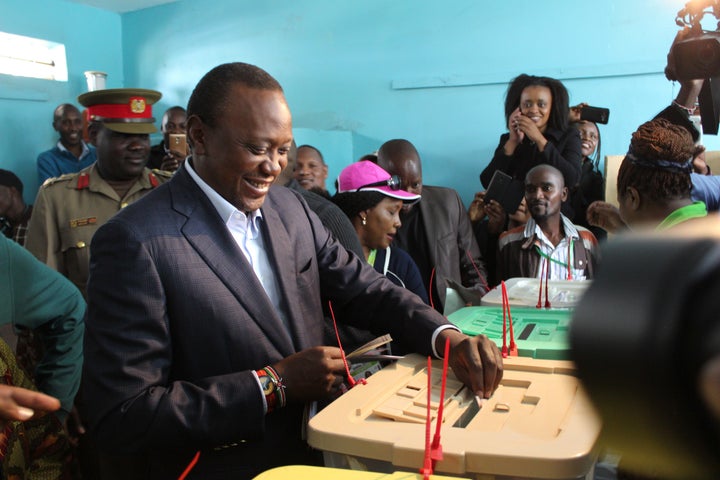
(137, 104)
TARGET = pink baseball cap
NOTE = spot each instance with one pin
(367, 176)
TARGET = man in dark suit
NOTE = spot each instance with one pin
(436, 231)
(205, 326)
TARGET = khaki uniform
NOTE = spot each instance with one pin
(68, 211)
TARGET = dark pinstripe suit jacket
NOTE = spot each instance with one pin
(177, 321)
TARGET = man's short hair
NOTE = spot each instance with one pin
(210, 94)
(9, 179)
(322, 159)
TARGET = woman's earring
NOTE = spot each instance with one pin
(364, 221)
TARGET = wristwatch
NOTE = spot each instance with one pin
(269, 384)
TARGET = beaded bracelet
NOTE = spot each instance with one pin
(683, 107)
(273, 388)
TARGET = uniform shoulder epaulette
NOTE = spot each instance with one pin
(62, 178)
(162, 173)
(157, 177)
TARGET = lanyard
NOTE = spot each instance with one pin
(558, 262)
(371, 257)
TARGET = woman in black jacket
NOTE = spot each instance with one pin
(536, 112)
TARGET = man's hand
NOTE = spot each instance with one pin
(606, 216)
(172, 161)
(576, 112)
(496, 217)
(20, 404)
(476, 212)
(313, 374)
(476, 361)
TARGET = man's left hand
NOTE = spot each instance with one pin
(476, 361)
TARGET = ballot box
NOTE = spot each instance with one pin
(524, 292)
(538, 332)
(304, 472)
(538, 424)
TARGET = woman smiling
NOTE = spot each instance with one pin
(536, 114)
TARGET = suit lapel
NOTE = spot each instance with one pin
(208, 235)
(280, 248)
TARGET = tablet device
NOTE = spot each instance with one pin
(505, 190)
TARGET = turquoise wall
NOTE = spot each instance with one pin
(432, 72)
(359, 73)
(93, 41)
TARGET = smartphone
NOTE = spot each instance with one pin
(595, 114)
(178, 142)
(505, 190)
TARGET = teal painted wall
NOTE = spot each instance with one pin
(93, 41)
(432, 72)
(359, 73)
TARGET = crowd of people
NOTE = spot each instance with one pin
(215, 265)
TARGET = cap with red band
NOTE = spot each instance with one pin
(124, 110)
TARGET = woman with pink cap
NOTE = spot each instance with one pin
(372, 199)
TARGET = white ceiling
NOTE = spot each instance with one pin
(122, 6)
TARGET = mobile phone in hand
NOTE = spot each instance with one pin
(178, 143)
(595, 114)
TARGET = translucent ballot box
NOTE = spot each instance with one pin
(538, 424)
(523, 292)
(539, 332)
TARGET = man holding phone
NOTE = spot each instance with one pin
(169, 154)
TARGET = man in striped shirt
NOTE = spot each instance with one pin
(549, 245)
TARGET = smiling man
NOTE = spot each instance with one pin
(70, 208)
(311, 171)
(71, 154)
(205, 304)
(549, 245)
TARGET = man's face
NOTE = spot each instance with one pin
(173, 122)
(121, 156)
(6, 200)
(544, 194)
(244, 152)
(409, 169)
(310, 172)
(69, 125)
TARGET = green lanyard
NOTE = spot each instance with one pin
(371, 257)
(558, 262)
(694, 210)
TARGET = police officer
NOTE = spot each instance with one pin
(70, 208)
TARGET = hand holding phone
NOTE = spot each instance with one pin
(178, 143)
(595, 114)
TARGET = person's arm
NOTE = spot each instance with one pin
(500, 161)
(566, 156)
(606, 216)
(706, 188)
(472, 267)
(365, 299)
(43, 237)
(52, 306)
(20, 403)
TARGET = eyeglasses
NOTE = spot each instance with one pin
(393, 182)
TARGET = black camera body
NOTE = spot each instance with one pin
(698, 57)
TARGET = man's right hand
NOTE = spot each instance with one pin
(313, 374)
(172, 161)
